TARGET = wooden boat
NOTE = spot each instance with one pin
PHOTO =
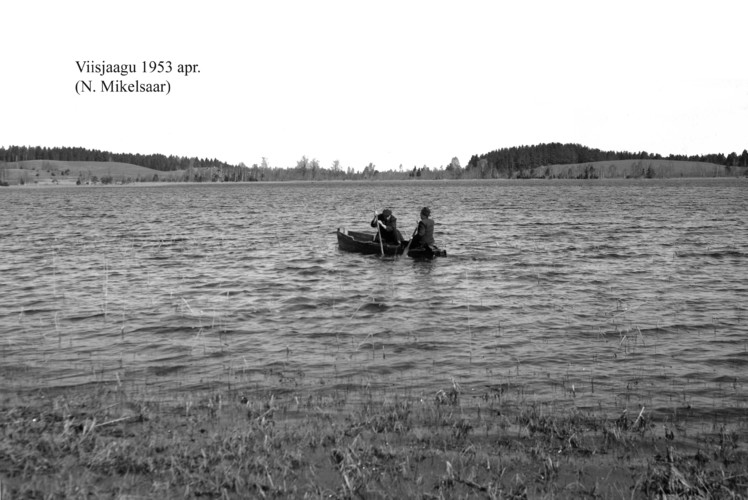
(354, 241)
(359, 242)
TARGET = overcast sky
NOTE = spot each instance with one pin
(388, 82)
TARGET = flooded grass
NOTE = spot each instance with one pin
(106, 443)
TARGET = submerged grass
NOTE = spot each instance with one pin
(103, 443)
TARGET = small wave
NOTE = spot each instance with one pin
(83, 317)
(299, 307)
(163, 371)
(476, 257)
(713, 254)
(725, 379)
(614, 255)
(375, 307)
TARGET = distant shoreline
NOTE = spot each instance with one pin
(70, 173)
(521, 181)
(549, 181)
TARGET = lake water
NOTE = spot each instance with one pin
(594, 294)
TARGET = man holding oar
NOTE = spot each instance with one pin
(387, 225)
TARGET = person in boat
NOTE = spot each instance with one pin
(387, 227)
(424, 235)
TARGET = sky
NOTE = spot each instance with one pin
(391, 83)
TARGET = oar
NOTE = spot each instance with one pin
(405, 252)
(381, 245)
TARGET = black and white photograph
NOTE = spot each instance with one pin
(333, 249)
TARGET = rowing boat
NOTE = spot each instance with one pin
(365, 243)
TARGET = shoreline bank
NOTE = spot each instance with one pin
(105, 442)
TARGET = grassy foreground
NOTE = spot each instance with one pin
(105, 444)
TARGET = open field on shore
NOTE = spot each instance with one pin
(104, 442)
(50, 172)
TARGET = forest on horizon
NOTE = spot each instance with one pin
(518, 161)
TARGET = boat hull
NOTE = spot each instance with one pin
(364, 243)
(353, 241)
(426, 252)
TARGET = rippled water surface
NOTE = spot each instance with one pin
(600, 294)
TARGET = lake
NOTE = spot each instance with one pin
(602, 294)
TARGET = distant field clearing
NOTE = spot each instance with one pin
(69, 172)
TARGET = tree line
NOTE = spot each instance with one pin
(515, 161)
(193, 169)
(158, 162)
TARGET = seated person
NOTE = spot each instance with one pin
(387, 224)
(424, 236)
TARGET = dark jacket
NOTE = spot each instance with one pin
(390, 234)
(425, 234)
